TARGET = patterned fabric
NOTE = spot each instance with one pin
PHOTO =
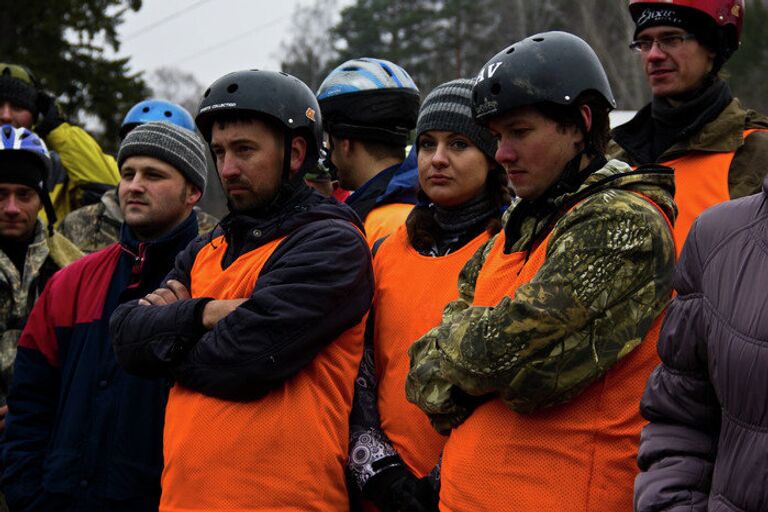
(19, 293)
(538, 348)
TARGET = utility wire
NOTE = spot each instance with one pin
(242, 35)
(168, 18)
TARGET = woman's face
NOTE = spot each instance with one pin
(452, 170)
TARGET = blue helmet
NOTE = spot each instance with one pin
(19, 145)
(370, 99)
(22, 139)
(156, 110)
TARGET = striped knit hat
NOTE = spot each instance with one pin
(179, 147)
(448, 107)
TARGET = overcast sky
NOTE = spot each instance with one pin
(207, 37)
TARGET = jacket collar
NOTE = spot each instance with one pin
(526, 222)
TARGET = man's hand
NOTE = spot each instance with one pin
(164, 296)
(215, 310)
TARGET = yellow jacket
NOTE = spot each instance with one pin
(84, 169)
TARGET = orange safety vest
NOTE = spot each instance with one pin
(284, 452)
(578, 456)
(384, 220)
(411, 292)
(701, 181)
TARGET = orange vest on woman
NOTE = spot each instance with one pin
(577, 457)
(701, 181)
(384, 220)
(284, 452)
(411, 292)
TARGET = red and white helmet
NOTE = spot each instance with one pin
(728, 16)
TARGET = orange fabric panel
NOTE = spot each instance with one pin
(384, 220)
(411, 292)
(579, 456)
(284, 452)
(701, 181)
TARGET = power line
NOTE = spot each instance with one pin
(242, 35)
(168, 18)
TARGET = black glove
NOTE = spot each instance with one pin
(398, 490)
(51, 116)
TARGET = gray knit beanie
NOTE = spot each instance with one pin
(179, 147)
(448, 107)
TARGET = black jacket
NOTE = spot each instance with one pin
(316, 284)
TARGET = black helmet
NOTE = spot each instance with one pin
(276, 95)
(555, 67)
(369, 99)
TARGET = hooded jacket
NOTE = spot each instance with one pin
(706, 445)
(590, 271)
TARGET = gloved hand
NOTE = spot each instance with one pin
(51, 115)
(398, 490)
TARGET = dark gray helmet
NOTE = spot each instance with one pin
(276, 95)
(554, 67)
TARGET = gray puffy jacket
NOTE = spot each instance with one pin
(706, 447)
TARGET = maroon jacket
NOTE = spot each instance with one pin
(706, 447)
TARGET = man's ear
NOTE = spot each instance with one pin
(298, 153)
(586, 115)
(193, 194)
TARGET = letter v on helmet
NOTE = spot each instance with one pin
(488, 71)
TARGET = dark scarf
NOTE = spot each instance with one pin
(672, 124)
(458, 225)
(658, 125)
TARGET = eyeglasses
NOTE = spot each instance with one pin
(665, 43)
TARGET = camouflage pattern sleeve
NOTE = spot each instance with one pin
(607, 276)
(91, 228)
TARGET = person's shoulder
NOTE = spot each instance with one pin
(728, 217)
(87, 265)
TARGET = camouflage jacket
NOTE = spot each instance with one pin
(610, 254)
(723, 134)
(96, 226)
(18, 293)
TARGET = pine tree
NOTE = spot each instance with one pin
(66, 49)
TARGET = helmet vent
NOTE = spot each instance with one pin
(538, 39)
(145, 109)
(167, 113)
(510, 50)
(207, 92)
(496, 88)
(232, 88)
